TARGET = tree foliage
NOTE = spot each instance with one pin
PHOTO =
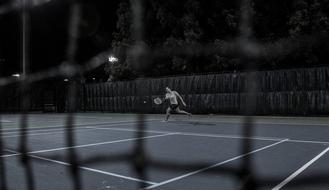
(172, 24)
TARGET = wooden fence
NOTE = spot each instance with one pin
(280, 92)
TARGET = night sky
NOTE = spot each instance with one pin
(48, 34)
(293, 34)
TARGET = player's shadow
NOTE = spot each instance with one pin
(193, 123)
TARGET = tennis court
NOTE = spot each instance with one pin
(121, 151)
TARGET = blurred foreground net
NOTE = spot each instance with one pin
(243, 47)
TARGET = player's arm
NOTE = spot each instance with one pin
(167, 96)
(180, 97)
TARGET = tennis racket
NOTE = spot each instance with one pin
(157, 101)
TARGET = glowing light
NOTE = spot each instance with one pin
(113, 59)
(66, 80)
(16, 75)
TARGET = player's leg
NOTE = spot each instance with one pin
(182, 111)
(168, 113)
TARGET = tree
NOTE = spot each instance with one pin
(121, 43)
(309, 17)
(180, 27)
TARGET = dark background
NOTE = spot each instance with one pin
(293, 34)
(49, 34)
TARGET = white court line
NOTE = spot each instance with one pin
(5, 121)
(158, 131)
(255, 138)
(50, 133)
(90, 169)
(216, 136)
(89, 145)
(80, 125)
(233, 136)
(38, 130)
(213, 166)
(229, 122)
(59, 129)
(130, 130)
(53, 126)
(304, 124)
(300, 170)
(260, 122)
(194, 134)
(304, 141)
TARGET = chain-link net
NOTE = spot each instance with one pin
(244, 47)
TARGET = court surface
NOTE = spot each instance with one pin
(197, 153)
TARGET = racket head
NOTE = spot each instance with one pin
(157, 101)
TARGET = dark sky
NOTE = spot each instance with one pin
(48, 34)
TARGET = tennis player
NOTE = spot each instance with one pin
(172, 96)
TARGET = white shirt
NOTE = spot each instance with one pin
(172, 97)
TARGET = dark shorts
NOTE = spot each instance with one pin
(173, 106)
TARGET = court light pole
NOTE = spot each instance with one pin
(25, 24)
